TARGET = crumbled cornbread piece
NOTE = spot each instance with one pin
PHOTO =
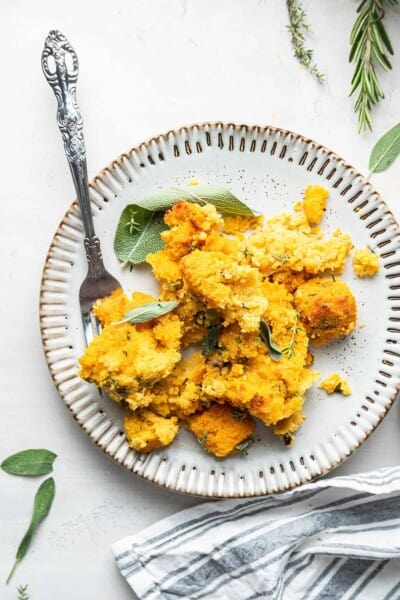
(289, 425)
(146, 431)
(240, 224)
(365, 262)
(224, 285)
(217, 429)
(180, 393)
(327, 308)
(190, 225)
(335, 383)
(124, 358)
(280, 246)
(314, 203)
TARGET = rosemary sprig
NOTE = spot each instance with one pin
(370, 47)
(23, 592)
(298, 27)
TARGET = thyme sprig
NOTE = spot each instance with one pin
(298, 27)
(370, 47)
(289, 350)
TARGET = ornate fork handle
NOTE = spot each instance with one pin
(61, 69)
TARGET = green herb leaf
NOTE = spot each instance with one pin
(147, 312)
(385, 151)
(41, 507)
(223, 200)
(370, 47)
(265, 333)
(139, 227)
(299, 27)
(203, 441)
(22, 592)
(243, 447)
(240, 415)
(29, 462)
(138, 234)
(211, 340)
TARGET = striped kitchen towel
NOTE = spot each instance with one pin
(332, 539)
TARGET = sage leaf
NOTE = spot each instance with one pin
(210, 340)
(223, 199)
(138, 234)
(41, 507)
(385, 151)
(29, 462)
(265, 333)
(147, 312)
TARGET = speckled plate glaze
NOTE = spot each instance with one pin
(267, 168)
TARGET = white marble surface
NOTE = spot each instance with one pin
(146, 66)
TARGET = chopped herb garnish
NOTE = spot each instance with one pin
(289, 350)
(282, 258)
(243, 447)
(240, 415)
(246, 252)
(203, 441)
(265, 333)
(132, 224)
(210, 341)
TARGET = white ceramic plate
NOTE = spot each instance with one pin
(267, 168)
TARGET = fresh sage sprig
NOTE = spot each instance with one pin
(29, 462)
(147, 312)
(41, 507)
(385, 151)
(265, 333)
(202, 193)
(140, 224)
(138, 234)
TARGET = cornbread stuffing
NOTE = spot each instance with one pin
(335, 383)
(228, 275)
(218, 430)
(146, 431)
(365, 262)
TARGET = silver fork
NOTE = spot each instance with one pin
(62, 73)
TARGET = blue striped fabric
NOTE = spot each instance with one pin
(333, 539)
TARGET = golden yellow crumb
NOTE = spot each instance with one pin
(314, 203)
(327, 308)
(335, 383)
(146, 431)
(365, 262)
(220, 429)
